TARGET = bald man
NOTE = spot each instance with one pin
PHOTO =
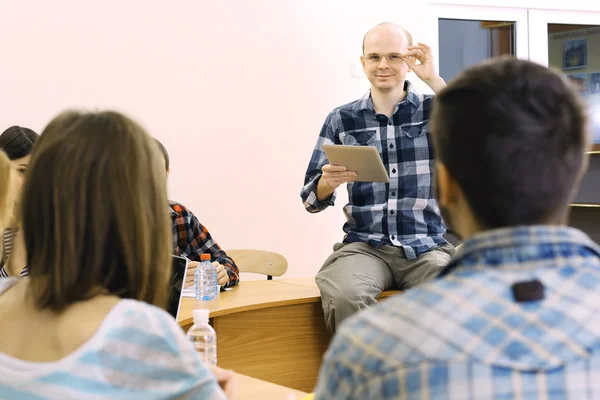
(394, 231)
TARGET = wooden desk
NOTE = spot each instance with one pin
(250, 389)
(267, 330)
(270, 330)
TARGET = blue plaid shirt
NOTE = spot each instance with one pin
(464, 336)
(403, 212)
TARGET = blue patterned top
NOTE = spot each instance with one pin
(464, 336)
(139, 352)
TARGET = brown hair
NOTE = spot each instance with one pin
(165, 154)
(513, 134)
(97, 217)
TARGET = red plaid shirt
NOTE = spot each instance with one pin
(191, 238)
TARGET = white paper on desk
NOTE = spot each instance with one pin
(190, 292)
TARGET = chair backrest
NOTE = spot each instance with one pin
(259, 262)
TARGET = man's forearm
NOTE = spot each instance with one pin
(324, 191)
(436, 84)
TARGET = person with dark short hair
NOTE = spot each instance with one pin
(17, 142)
(516, 313)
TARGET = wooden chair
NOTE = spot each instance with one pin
(259, 262)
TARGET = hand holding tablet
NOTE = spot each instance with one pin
(362, 160)
(336, 175)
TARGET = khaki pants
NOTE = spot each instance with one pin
(356, 273)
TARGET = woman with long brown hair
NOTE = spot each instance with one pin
(87, 323)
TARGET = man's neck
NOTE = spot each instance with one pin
(385, 102)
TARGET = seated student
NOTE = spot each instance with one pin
(515, 314)
(87, 322)
(17, 142)
(191, 239)
(9, 187)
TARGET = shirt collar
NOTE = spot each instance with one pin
(366, 102)
(173, 213)
(520, 237)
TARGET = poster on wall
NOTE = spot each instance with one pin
(575, 54)
(580, 81)
(575, 50)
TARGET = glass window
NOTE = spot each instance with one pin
(466, 42)
(575, 50)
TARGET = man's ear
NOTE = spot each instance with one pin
(446, 185)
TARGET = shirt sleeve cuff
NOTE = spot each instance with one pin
(310, 200)
(233, 278)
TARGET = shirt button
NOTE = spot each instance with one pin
(393, 170)
(390, 122)
(393, 193)
(392, 146)
(392, 212)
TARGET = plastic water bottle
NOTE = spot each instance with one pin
(203, 337)
(205, 280)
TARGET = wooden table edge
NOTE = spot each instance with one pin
(254, 306)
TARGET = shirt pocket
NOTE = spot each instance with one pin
(361, 137)
(415, 130)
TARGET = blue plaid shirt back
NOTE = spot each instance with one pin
(464, 336)
(403, 212)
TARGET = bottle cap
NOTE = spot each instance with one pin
(200, 316)
(205, 257)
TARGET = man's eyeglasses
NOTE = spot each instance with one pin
(391, 58)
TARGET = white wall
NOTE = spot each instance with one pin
(236, 90)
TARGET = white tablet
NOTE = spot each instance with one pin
(364, 160)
